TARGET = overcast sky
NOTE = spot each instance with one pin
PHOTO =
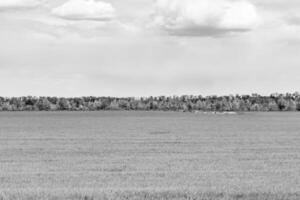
(148, 47)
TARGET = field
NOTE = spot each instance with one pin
(149, 155)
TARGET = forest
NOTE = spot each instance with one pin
(185, 103)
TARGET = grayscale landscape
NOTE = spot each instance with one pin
(149, 100)
(149, 155)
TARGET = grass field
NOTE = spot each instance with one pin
(149, 155)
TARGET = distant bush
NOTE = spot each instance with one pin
(187, 103)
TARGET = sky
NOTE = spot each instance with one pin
(149, 47)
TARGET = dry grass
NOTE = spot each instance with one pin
(135, 155)
(145, 195)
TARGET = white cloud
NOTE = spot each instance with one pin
(11, 4)
(85, 10)
(205, 17)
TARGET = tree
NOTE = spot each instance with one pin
(291, 106)
(273, 106)
(43, 104)
(114, 105)
(298, 105)
(124, 104)
(255, 102)
(64, 104)
(282, 104)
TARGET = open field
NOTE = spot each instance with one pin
(149, 155)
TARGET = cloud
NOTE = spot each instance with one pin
(293, 20)
(13, 4)
(205, 17)
(85, 10)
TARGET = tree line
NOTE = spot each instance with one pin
(188, 103)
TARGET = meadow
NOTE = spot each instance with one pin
(149, 155)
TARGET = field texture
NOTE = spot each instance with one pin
(149, 155)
